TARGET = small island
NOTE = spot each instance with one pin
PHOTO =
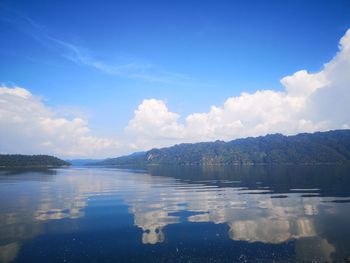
(19, 160)
(331, 147)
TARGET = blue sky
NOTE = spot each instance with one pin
(101, 59)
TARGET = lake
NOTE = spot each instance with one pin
(176, 214)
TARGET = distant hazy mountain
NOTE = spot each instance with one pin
(136, 158)
(19, 160)
(83, 162)
(316, 148)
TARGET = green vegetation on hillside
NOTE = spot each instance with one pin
(18, 160)
(321, 147)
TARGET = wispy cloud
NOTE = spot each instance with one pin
(146, 72)
(83, 56)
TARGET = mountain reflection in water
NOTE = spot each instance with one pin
(176, 214)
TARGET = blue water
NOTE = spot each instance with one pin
(202, 214)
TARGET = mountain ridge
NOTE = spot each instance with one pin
(330, 147)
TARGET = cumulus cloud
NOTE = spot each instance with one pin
(29, 126)
(308, 102)
(154, 123)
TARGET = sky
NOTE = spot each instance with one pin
(101, 79)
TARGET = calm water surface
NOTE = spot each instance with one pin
(249, 214)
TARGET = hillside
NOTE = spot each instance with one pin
(18, 160)
(306, 148)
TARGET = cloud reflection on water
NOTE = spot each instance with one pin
(156, 202)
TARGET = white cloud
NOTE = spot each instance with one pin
(29, 126)
(154, 123)
(309, 102)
